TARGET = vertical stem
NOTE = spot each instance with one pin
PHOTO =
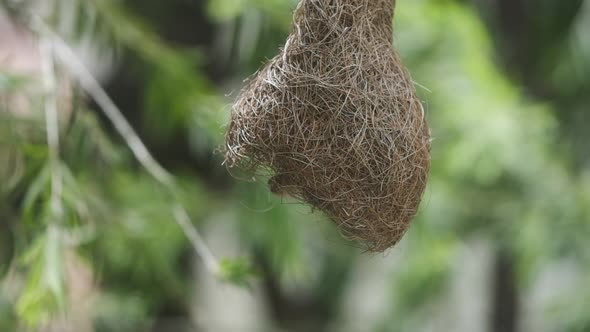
(53, 269)
(52, 124)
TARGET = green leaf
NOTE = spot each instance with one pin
(38, 187)
(237, 271)
(44, 293)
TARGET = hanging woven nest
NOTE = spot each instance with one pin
(336, 120)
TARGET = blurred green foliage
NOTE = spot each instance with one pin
(508, 168)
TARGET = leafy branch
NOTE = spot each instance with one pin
(88, 83)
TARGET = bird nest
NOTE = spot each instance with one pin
(336, 120)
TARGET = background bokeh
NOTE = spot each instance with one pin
(91, 239)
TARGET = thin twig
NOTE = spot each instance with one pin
(191, 233)
(52, 124)
(79, 72)
(87, 81)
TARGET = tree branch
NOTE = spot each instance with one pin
(88, 83)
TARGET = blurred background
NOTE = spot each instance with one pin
(96, 235)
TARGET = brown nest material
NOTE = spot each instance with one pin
(336, 120)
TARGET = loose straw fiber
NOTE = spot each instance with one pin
(336, 120)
